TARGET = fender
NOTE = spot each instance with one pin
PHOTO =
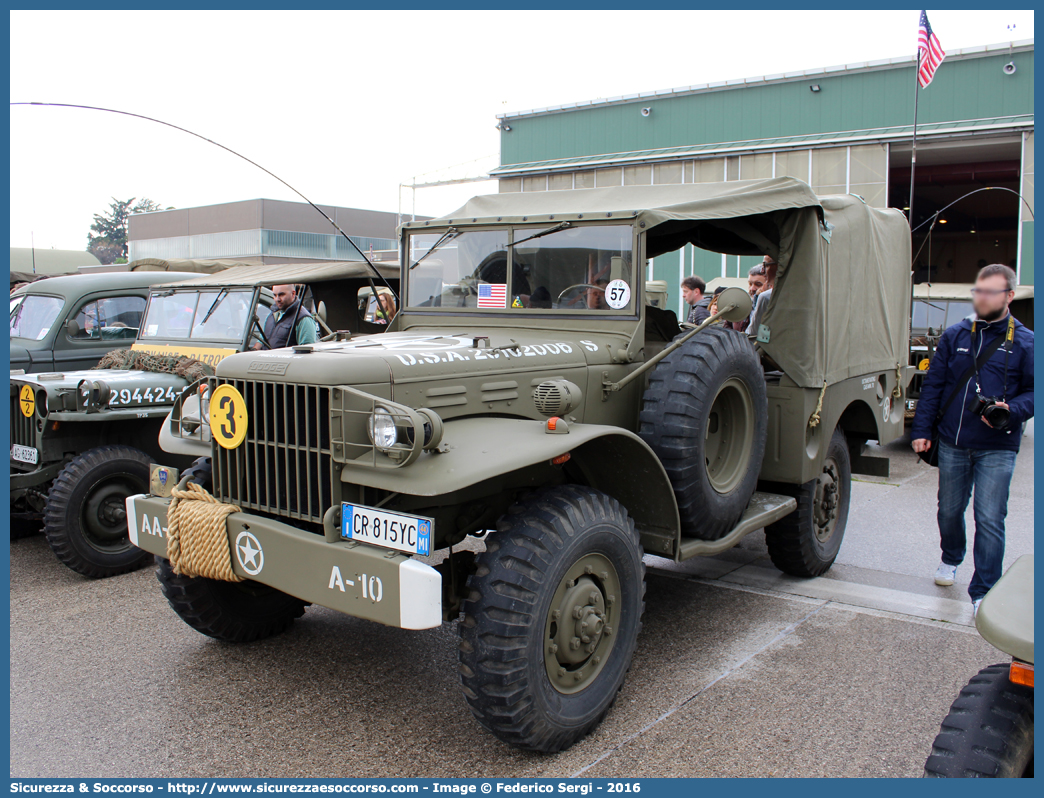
(476, 449)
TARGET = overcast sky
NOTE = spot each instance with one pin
(345, 106)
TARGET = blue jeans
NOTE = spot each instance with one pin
(989, 472)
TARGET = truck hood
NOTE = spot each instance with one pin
(419, 356)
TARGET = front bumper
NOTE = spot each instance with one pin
(23, 481)
(354, 578)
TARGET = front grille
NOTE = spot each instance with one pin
(284, 465)
(23, 430)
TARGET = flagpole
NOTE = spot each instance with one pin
(913, 149)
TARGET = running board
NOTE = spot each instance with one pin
(764, 509)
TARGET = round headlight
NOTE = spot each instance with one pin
(382, 429)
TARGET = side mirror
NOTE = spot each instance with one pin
(320, 312)
(72, 327)
(741, 301)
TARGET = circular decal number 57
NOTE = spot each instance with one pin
(617, 294)
(228, 417)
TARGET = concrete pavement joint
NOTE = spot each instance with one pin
(728, 672)
(841, 594)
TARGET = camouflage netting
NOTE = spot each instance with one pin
(127, 359)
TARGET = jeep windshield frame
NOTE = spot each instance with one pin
(547, 271)
(239, 305)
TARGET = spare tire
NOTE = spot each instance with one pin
(705, 414)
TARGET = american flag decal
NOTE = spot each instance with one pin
(492, 295)
(930, 49)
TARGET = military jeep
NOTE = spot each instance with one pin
(527, 395)
(82, 441)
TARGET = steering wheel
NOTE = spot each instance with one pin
(579, 285)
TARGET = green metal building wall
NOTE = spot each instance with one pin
(966, 87)
(971, 88)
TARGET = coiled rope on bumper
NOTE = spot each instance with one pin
(197, 544)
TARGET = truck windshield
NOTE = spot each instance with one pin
(938, 313)
(34, 315)
(573, 269)
(181, 314)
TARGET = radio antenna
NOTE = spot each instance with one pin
(238, 155)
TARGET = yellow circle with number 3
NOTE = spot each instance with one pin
(228, 417)
(27, 401)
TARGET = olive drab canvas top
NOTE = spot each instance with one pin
(841, 307)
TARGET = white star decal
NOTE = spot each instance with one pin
(249, 552)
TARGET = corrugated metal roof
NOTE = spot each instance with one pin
(927, 130)
(50, 261)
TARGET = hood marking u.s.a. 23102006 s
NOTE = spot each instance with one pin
(413, 349)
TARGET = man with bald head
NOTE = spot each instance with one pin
(280, 329)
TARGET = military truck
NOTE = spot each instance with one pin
(69, 322)
(527, 395)
(82, 441)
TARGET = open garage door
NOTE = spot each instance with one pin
(976, 231)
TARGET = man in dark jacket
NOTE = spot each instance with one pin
(973, 452)
(692, 289)
(289, 324)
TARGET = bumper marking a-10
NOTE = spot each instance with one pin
(354, 578)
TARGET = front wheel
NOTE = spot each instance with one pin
(552, 618)
(85, 517)
(988, 732)
(806, 542)
(234, 612)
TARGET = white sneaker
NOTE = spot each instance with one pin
(975, 606)
(945, 574)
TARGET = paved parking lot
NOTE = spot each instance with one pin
(739, 671)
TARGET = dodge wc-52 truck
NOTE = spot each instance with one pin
(82, 441)
(527, 395)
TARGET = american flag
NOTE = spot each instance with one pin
(492, 295)
(930, 49)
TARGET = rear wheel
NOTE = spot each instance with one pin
(85, 518)
(806, 542)
(988, 732)
(552, 618)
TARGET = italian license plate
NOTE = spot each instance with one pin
(24, 454)
(408, 533)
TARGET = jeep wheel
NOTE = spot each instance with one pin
(705, 414)
(806, 542)
(988, 732)
(552, 618)
(234, 612)
(85, 518)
